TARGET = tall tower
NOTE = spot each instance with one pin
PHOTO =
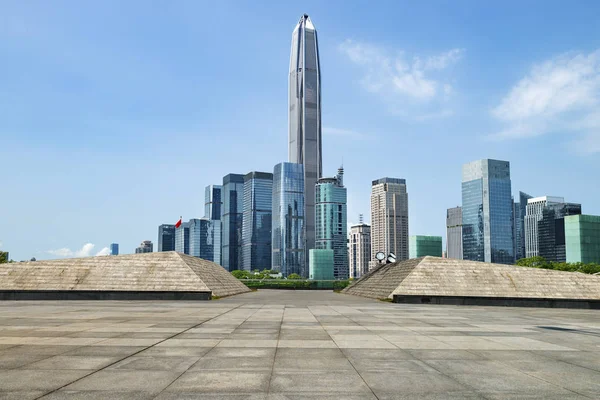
(305, 116)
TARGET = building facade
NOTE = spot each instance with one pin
(166, 237)
(182, 238)
(232, 211)
(360, 250)
(582, 238)
(331, 221)
(454, 246)
(487, 212)
(519, 211)
(288, 242)
(389, 219)
(145, 247)
(321, 264)
(213, 202)
(257, 221)
(305, 115)
(114, 249)
(421, 246)
(204, 238)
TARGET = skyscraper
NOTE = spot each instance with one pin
(545, 227)
(288, 220)
(331, 228)
(487, 212)
(166, 237)
(360, 249)
(182, 238)
(389, 219)
(114, 249)
(454, 231)
(213, 202)
(582, 238)
(256, 225)
(520, 210)
(145, 247)
(232, 195)
(305, 116)
(421, 246)
(203, 235)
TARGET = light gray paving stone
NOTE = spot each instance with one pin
(318, 381)
(155, 363)
(125, 380)
(221, 381)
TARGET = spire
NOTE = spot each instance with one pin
(340, 175)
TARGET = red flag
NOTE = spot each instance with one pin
(178, 224)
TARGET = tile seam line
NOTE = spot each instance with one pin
(200, 358)
(276, 350)
(351, 363)
(130, 355)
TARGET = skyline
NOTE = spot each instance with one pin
(140, 102)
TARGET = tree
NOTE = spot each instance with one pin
(533, 262)
(3, 257)
(294, 276)
(240, 274)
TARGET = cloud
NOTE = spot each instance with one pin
(558, 95)
(346, 133)
(85, 251)
(403, 80)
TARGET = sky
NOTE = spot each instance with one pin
(115, 115)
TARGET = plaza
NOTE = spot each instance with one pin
(277, 344)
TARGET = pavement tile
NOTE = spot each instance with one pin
(125, 380)
(221, 381)
(155, 363)
(32, 380)
(72, 362)
(318, 381)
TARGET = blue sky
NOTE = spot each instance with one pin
(114, 116)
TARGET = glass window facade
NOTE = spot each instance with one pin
(582, 238)
(256, 225)
(321, 264)
(114, 249)
(288, 255)
(487, 212)
(421, 246)
(166, 237)
(520, 210)
(204, 235)
(212, 202)
(551, 230)
(182, 239)
(454, 238)
(231, 221)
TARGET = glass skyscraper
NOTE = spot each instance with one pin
(305, 115)
(212, 202)
(204, 234)
(421, 246)
(520, 210)
(166, 237)
(182, 238)
(232, 195)
(582, 238)
(331, 222)
(487, 212)
(454, 246)
(288, 220)
(114, 249)
(256, 225)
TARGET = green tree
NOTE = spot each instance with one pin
(294, 276)
(240, 274)
(533, 262)
(3, 257)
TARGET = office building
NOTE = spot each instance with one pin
(389, 219)
(519, 212)
(305, 115)
(321, 264)
(114, 249)
(545, 227)
(213, 202)
(204, 238)
(166, 237)
(145, 247)
(360, 249)
(182, 238)
(487, 212)
(454, 247)
(421, 246)
(232, 195)
(331, 221)
(288, 255)
(256, 225)
(582, 238)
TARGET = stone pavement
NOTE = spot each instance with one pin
(295, 345)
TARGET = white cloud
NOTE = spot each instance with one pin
(559, 95)
(346, 133)
(398, 78)
(85, 251)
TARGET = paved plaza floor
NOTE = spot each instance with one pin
(295, 345)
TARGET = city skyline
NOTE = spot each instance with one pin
(97, 146)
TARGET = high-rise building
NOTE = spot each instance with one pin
(360, 249)
(487, 212)
(454, 246)
(582, 238)
(145, 247)
(182, 238)
(232, 195)
(166, 237)
(256, 225)
(421, 246)
(545, 227)
(321, 263)
(114, 249)
(213, 202)
(389, 219)
(204, 237)
(331, 221)
(519, 212)
(288, 220)
(305, 115)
